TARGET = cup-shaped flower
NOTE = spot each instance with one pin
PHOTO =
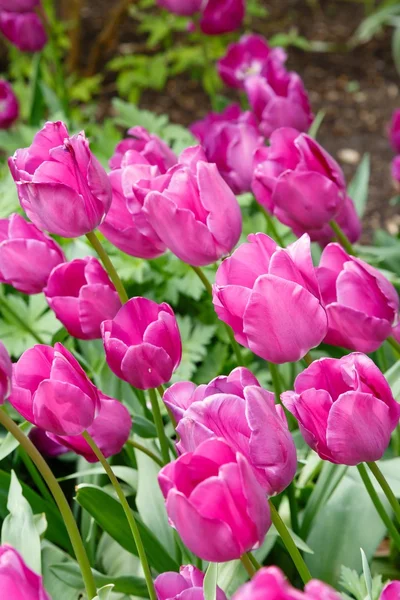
(82, 296)
(361, 304)
(142, 343)
(214, 501)
(345, 409)
(149, 145)
(251, 55)
(185, 8)
(185, 585)
(24, 30)
(17, 580)
(229, 140)
(5, 373)
(9, 107)
(270, 297)
(51, 390)
(196, 215)
(27, 256)
(61, 185)
(19, 5)
(391, 591)
(394, 131)
(303, 186)
(222, 16)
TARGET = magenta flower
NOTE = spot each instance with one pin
(394, 131)
(46, 445)
(27, 256)
(17, 580)
(9, 107)
(24, 30)
(251, 55)
(5, 373)
(296, 180)
(229, 140)
(345, 408)
(18, 5)
(214, 491)
(391, 591)
(222, 16)
(185, 585)
(270, 297)
(361, 304)
(185, 8)
(396, 169)
(196, 215)
(51, 390)
(150, 146)
(61, 185)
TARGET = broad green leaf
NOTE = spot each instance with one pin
(210, 582)
(393, 378)
(37, 102)
(9, 443)
(55, 586)
(358, 187)
(127, 474)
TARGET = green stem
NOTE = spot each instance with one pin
(203, 279)
(380, 509)
(272, 227)
(254, 561)
(248, 565)
(128, 513)
(342, 238)
(158, 422)
(145, 450)
(387, 490)
(395, 344)
(308, 359)
(290, 545)
(294, 518)
(35, 475)
(5, 306)
(60, 499)
(105, 259)
(276, 382)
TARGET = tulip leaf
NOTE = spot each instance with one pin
(210, 582)
(393, 379)
(9, 443)
(104, 593)
(358, 187)
(367, 574)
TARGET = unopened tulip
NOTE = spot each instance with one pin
(296, 180)
(82, 297)
(24, 30)
(394, 131)
(61, 185)
(229, 140)
(215, 502)
(185, 585)
(185, 8)
(150, 146)
(51, 390)
(360, 302)
(196, 215)
(270, 298)
(391, 591)
(345, 409)
(222, 16)
(17, 580)
(9, 107)
(5, 373)
(142, 343)
(27, 256)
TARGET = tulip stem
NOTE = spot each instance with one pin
(308, 359)
(290, 545)
(294, 519)
(248, 565)
(273, 369)
(105, 259)
(60, 499)
(387, 490)
(394, 343)
(7, 308)
(380, 509)
(161, 391)
(342, 237)
(145, 450)
(158, 422)
(128, 513)
(254, 561)
(272, 227)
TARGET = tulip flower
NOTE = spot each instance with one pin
(142, 343)
(5, 373)
(24, 30)
(196, 215)
(345, 409)
(150, 146)
(229, 140)
(82, 297)
(303, 186)
(391, 591)
(46, 445)
(396, 170)
(185, 8)
(61, 185)
(17, 580)
(361, 304)
(394, 131)
(222, 16)
(27, 256)
(18, 5)
(51, 390)
(185, 585)
(9, 107)
(215, 502)
(270, 298)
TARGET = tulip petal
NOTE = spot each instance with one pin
(256, 505)
(33, 366)
(164, 333)
(66, 310)
(146, 366)
(97, 303)
(230, 304)
(179, 397)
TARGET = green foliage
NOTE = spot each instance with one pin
(195, 339)
(355, 584)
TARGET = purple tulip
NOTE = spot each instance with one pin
(9, 107)
(391, 591)
(229, 140)
(5, 373)
(61, 185)
(345, 408)
(150, 146)
(222, 16)
(394, 131)
(360, 302)
(18, 5)
(45, 444)
(17, 580)
(270, 297)
(185, 585)
(24, 30)
(27, 256)
(185, 8)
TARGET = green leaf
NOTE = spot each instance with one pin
(104, 593)
(37, 102)
(144, 428)
(127, 474)
(367, 574)
(316, 124)
(396, 48)
(9, 443)
(210, 582)
(358, 187)
(51, 555)
(393, 378)
(195, 339)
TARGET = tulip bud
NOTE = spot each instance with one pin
(270, 298)
(215, 502)
(17, 580)
(148, 145)
(27, 256)
(188, 583)
(394, 131)
(391, 591)
(345, 408)
(185, 8)
(24, 30)
(61, 185)
(222, 16)
(9, 107)
(5, 373)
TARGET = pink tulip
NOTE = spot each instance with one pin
(391, 591)
(279, 99)
(150, 146)
(196, 215)
(251, 55)
(5, 374)
(18, 5)
(215, 502)
(52, 391)
(82, 297)
(185, 8)
(17, 581)
(24, 30)
(345, 408)
(61, 185)
(237, 409)
(394, 131)
(9, 107)
(185, 585)
(222, 16)
(45, 444)
(360, 302)
(270, 298)
(142, 343)
(27, 256)
(229, 140)
(396, 169)
(303, 186)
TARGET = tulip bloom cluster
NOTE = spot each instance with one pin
(21, 26)
(216, 16)
(9, 106)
